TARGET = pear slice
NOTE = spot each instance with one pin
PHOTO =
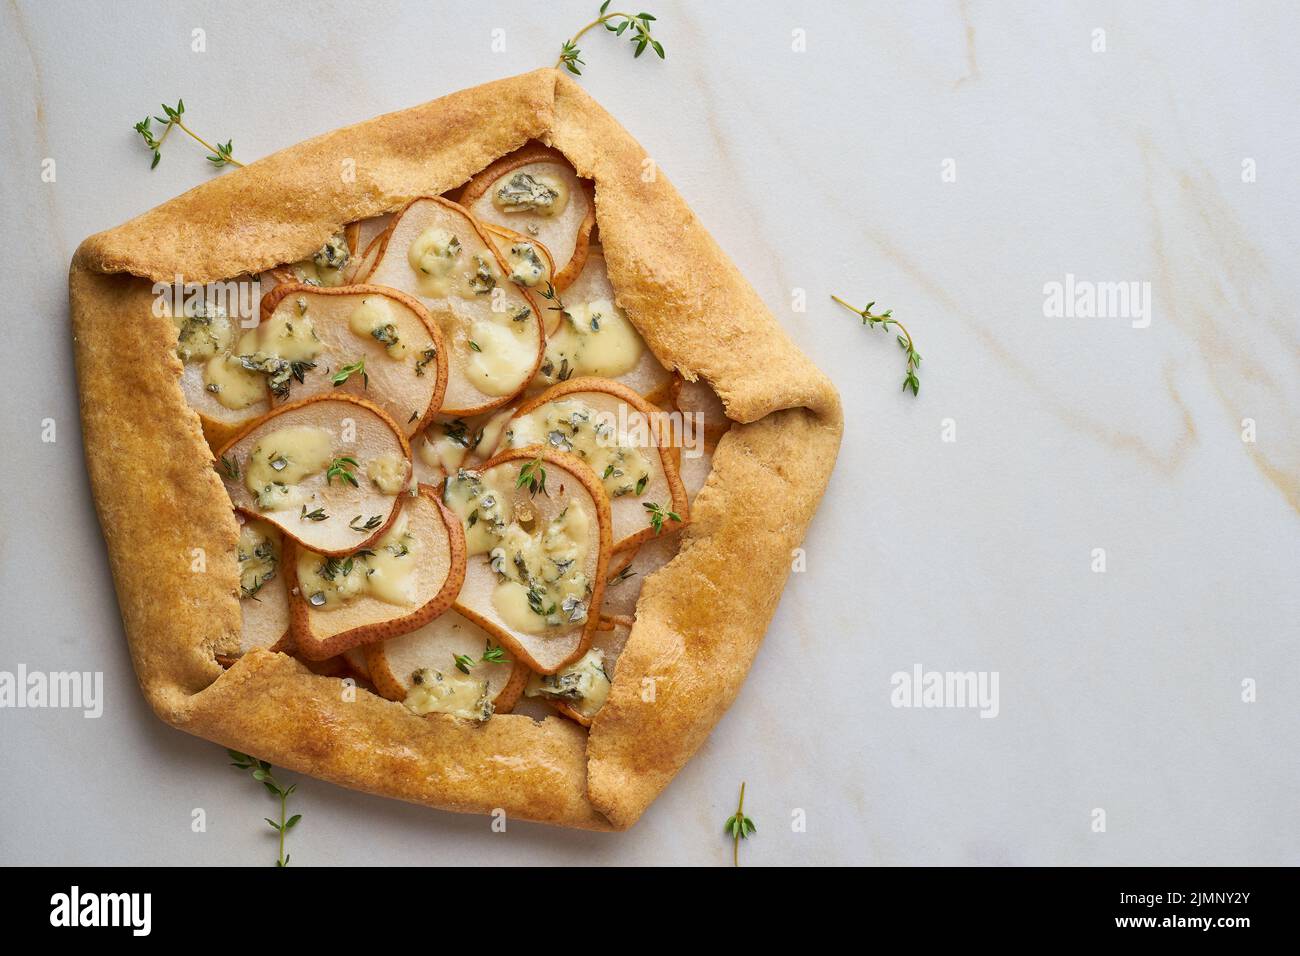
(288, 469)
(368, 235)
(591, 336)
(355, 658)
(578, 691)
(404, 579)
(531, 263)
(629, 569)
(704, 422)
(537, 528)
(427, 660)
(621, 437)
(263, 589)
(535, 191)
(392, 336)
(492, 328)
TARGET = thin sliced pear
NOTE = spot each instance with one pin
(579, 690)
(491, 327)
(355, 658)
(531, 263)
(620, 436)
(699, 406)
(395, 664)
(402, 581)
(546, 509)
(263, 587)
(629, 569)
(310, 501)
(369, 232)
(405, 364)
(594, 337)
(566, 233)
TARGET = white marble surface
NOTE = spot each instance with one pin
(817, 170)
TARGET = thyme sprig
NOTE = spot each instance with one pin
(738, 827)
(658, 515)
(491, 655)
(219, 154)
(347, 371)
(261, 771)
(616, 23)
(532, 475)
(340, 468)
(883, 321)
(551, 295)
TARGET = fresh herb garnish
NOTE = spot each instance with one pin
(230, 466)
(347, 371)
(370, 524)
(463, 662)
(218, 155)
(533, 475)
(339, 468)
(883, 322)
(551, 295)
(261, 771)
(617, 24)
(738, 827)
(317, 515)
(658, 515)
(427, 356)
(474, 345)
(494, 655)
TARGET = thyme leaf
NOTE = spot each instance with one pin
(219, 154)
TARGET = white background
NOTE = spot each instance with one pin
(821, 171)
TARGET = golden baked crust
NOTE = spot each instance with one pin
(700, 618)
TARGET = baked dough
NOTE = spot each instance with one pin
(700, 618)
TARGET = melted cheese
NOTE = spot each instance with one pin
(388, 472)
(386, 571)
(282, 459)
(258, 551)
(500, 357)
(528, 192)
(374, 319)
(232, 383)
(527, 267)
(571, 425)
(203, 333)
(326, 267)
(448, 692)
(434, 255)
(288, 336)
(592, 339)
(583, 685)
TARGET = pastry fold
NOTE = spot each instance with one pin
(165, 514)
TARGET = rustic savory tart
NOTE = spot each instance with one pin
(434, 251)
(532, 691)
(402, 580)
(535, 190)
